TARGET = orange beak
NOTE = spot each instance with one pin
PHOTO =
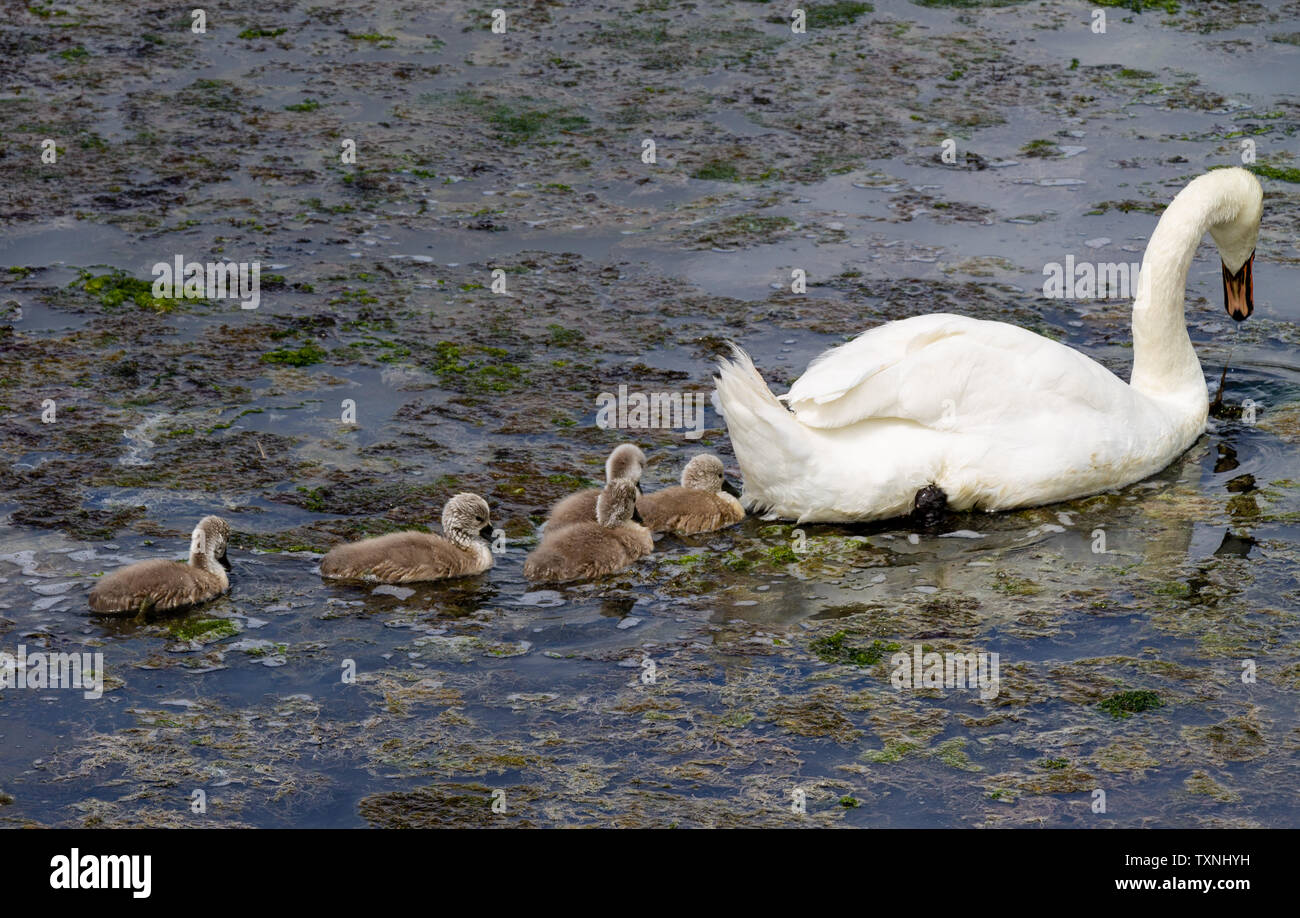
(1239, 291)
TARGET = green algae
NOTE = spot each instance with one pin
(1278, 173)
(1237, 739)
(116, 288)
(1122, 705)
(835, 648)
(659, 45)
(1139, 6)
(782, 554)
(893, 751)
(559, 336)
(746, 228)
(816, 715)
(515, 122)
(836, 14)
(378, 39)
(1014, 585)
(304, 356)
(716, 170)
(1125, 757)
(968, 4)
(1041, 148)
(213, 95)
(203, 629)
(475, 368)
(953, 753)
(1202, 784)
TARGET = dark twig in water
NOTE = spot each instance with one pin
(1216, 406)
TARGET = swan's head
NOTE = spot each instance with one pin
(626, 461)
(1242, 204)
(466, 516)
(617, 503)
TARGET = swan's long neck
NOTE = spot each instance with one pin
(1164, 362)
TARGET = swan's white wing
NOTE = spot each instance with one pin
(946, 371)
(837, 372)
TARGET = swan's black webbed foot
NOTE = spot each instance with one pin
(930, 508)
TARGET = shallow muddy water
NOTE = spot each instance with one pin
(727, 671)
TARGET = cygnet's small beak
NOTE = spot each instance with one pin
(730, 488)
(486, 531)
(223, 561)
(636, 514)
(1239, 290)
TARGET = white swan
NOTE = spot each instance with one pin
(993, 415)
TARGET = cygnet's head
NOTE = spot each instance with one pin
(466, 516)
(704, 473)
(626, 461)
(617, 503)
(209, 540)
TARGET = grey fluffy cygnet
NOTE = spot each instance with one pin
(610, 543)
(626, 461)
(698, 504)
(407, 557)
(164, 586)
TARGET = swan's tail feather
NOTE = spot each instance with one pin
(770, 443)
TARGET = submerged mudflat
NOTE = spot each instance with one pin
(730, 677)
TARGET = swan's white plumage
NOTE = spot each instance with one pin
(931, 369)
(995, 415)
